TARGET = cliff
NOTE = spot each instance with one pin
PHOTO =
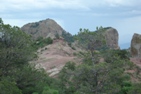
(44, 28)
(136, 45)
(112, 37)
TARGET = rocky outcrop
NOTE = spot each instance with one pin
(136, 45)
(44, 28)
(112, 37)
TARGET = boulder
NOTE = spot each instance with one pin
(136, 45)
(44, 28)
(112, 37)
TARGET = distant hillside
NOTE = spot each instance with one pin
(44, 28)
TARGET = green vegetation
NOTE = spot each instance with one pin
(18, 76)
(113, 54)
(41, 42)
(91, 40)
(67, 37)
(105, 77)
(92, 77)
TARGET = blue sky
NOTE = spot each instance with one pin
(124, 15)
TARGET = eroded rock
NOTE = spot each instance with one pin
(44, 28)
(136, 45)
(112, 37)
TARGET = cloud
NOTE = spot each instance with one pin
(117, 2)
(127, 3)
(19, 6)
(13, 5)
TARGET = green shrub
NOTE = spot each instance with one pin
(8, 87)
(47, 90)
(40, 42)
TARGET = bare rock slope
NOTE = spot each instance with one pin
(44, 28)
(53, 57)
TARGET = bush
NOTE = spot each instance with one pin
(40, 42)
(47, 90)
(7, 87)
(67, 37)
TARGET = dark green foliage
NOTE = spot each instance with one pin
(111, 55)
(41, 42)
(15, 48)
(65, 83)
(1, 22)
(8, 87)
(126, 87)
(123, 54)
(70, 66)
(91, 40)
(48, 41)
(67, 37)
(30, 80)
(102, 78)
(136, 89)
(17, 76)
(47, 90)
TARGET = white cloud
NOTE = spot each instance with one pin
(115, 3)
(40, 4)
(29, 5)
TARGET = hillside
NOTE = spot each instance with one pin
(54, 56)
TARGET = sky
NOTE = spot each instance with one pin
(123, 15)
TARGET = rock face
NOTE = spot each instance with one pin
(44, 28)
(136, 45)
(112, 37)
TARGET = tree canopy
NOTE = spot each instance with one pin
(17, 75)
